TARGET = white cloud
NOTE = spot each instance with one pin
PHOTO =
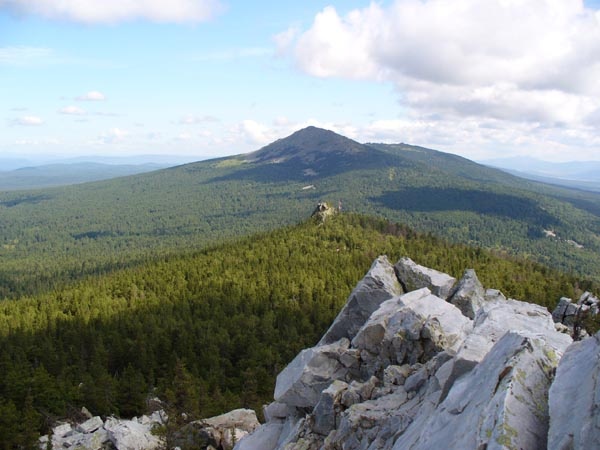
(29, 121)
(113, 136)
(255, 132)
(24, 56)
(92, 96)
(284, 40)
(72, 110)
(195, 120)
(38, 142)
(114, 11)
(518, 64)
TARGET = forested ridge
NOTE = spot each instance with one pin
(209, 331)
(51, 237)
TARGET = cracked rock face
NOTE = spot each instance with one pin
(411, 328)
(300, 384)
(575, 398)
(499, 404)
(436, 367)
(469, 294)
(413, 276)
(378, 285)
(96, 434)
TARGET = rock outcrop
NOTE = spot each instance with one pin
(572, 314)
(220, 432)
(96, 434)
(469, 294)
(378, 285)
(323, 211)
(440, 366)
(575, 398)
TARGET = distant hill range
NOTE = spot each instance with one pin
(576, 174)
(68, 173)
(67, 232)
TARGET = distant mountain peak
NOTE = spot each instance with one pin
(308, 144)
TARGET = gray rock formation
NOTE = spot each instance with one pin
(575, 398)
(499, 404)
(571, 315)
(300, 384)
(131, 435)
(409, 329)
(380, 284)
(137, 434)
(323, 211)
(96, 434)
(219, 432)
(469, 294)
(421, 373)
(413, 276)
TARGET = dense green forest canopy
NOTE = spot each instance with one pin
(51, 237)
(209, 331)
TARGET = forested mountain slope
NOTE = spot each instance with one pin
(56, 235)
(62, 174)
(209, 331)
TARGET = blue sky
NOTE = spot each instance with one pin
(207, 78)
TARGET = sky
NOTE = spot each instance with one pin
(207, 78)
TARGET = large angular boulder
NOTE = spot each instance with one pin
(275, 434)
(565, 312)
(409, 329)
(412, 276)
(469, 294)
(94, 434)
(266, 437)
(95, 440)
(575, 398)
(325, 411)
(90, 425)
(499, 315)
(496, 317)
(499, 404)
(300, 384)
(221, 431)
(378, 285)
(131, 435)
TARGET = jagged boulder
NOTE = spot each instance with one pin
(95, 440)
(412, 276)
(575, 398)
(323, 211)
(90, 425)
(572, 315)
(300, 384)
(378, 285)
(469, 294)
(219, 432)
(95, 434)
(325, 411)
(499, 315)
(275, 434)
(499, 404)
(565, 312)
(131, 435)
(409, 329)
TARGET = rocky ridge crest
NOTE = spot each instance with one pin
(416, 360)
